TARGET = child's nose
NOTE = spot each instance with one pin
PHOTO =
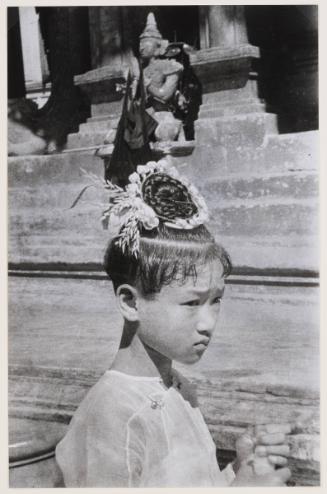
(207, 321)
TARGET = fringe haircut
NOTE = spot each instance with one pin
(165, 256)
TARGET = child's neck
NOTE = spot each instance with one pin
(137, 359)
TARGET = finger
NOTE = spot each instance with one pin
(279, 449)
(273, 428)
(244, 447)
(284, 474)
(270, 439)
(278, 461)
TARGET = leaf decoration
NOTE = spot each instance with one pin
(80, 195)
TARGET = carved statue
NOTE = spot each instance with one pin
(161, 77)
(161, 102)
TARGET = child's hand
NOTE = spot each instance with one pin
(259, 451)
(271, 443)
(247, 477)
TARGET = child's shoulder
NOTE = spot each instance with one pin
(115, 394)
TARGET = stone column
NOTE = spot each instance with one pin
(110, 55)
(225, 62)
(29, 27)
(226, 25)
(232, 119)
(16, 83)
(106, 36)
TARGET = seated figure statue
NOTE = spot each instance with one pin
(161, 78)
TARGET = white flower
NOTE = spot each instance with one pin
(144, 169)
(134, 178)
(152, 165)
(141, 169)
(133, 189)
(146, 215)
(174, 173)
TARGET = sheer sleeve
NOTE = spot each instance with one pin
(104, 446)
(115, 451)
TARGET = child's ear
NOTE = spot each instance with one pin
(127, 300)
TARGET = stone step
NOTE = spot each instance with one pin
(237, 131)
(48, 231)
(297, 151)
(232, 191)
(263, 217)
(107, 108)
(280, 153)
(210, 110)
(79, 140)
(293, 253)
(238, 187)
(104, 118)
(56, 169)
(103, 125)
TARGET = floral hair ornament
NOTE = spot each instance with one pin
(155, 192)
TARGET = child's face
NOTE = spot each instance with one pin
(179, 322)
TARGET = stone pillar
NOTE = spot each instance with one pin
(226, 25)
(110, 55)
(31, 46)
(16, 84)
(232, 120)
(224, 61)
(106, 36)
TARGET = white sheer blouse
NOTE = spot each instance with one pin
(133, 432)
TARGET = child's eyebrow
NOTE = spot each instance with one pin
(206, 291)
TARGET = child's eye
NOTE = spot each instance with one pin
(192, 303)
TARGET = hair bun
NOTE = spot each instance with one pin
(168, 197)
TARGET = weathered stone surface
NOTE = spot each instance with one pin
(99, 125)
(100, 84)
(221, 68)
(44, 474)
(247, 94)
(43, 223)
(105, 108)
(22, 141)
(277, 153)
(221, 110)
(291, 185)
(226, 25)
(273, 217)
(243, 130)
(55, 169)
(81, 139)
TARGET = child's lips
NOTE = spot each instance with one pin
(202, 344)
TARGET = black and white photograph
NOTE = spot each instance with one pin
(163, 245)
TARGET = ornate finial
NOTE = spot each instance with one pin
(151, 30)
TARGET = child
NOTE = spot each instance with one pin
(140, 425)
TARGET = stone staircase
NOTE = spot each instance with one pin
(271, 209)
(276, 210)
(94, 132)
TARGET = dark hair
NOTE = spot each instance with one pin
(169, 255)
(165, 253)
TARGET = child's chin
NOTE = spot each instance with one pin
(191, 359)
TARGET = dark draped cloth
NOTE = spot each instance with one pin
(134, 134)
